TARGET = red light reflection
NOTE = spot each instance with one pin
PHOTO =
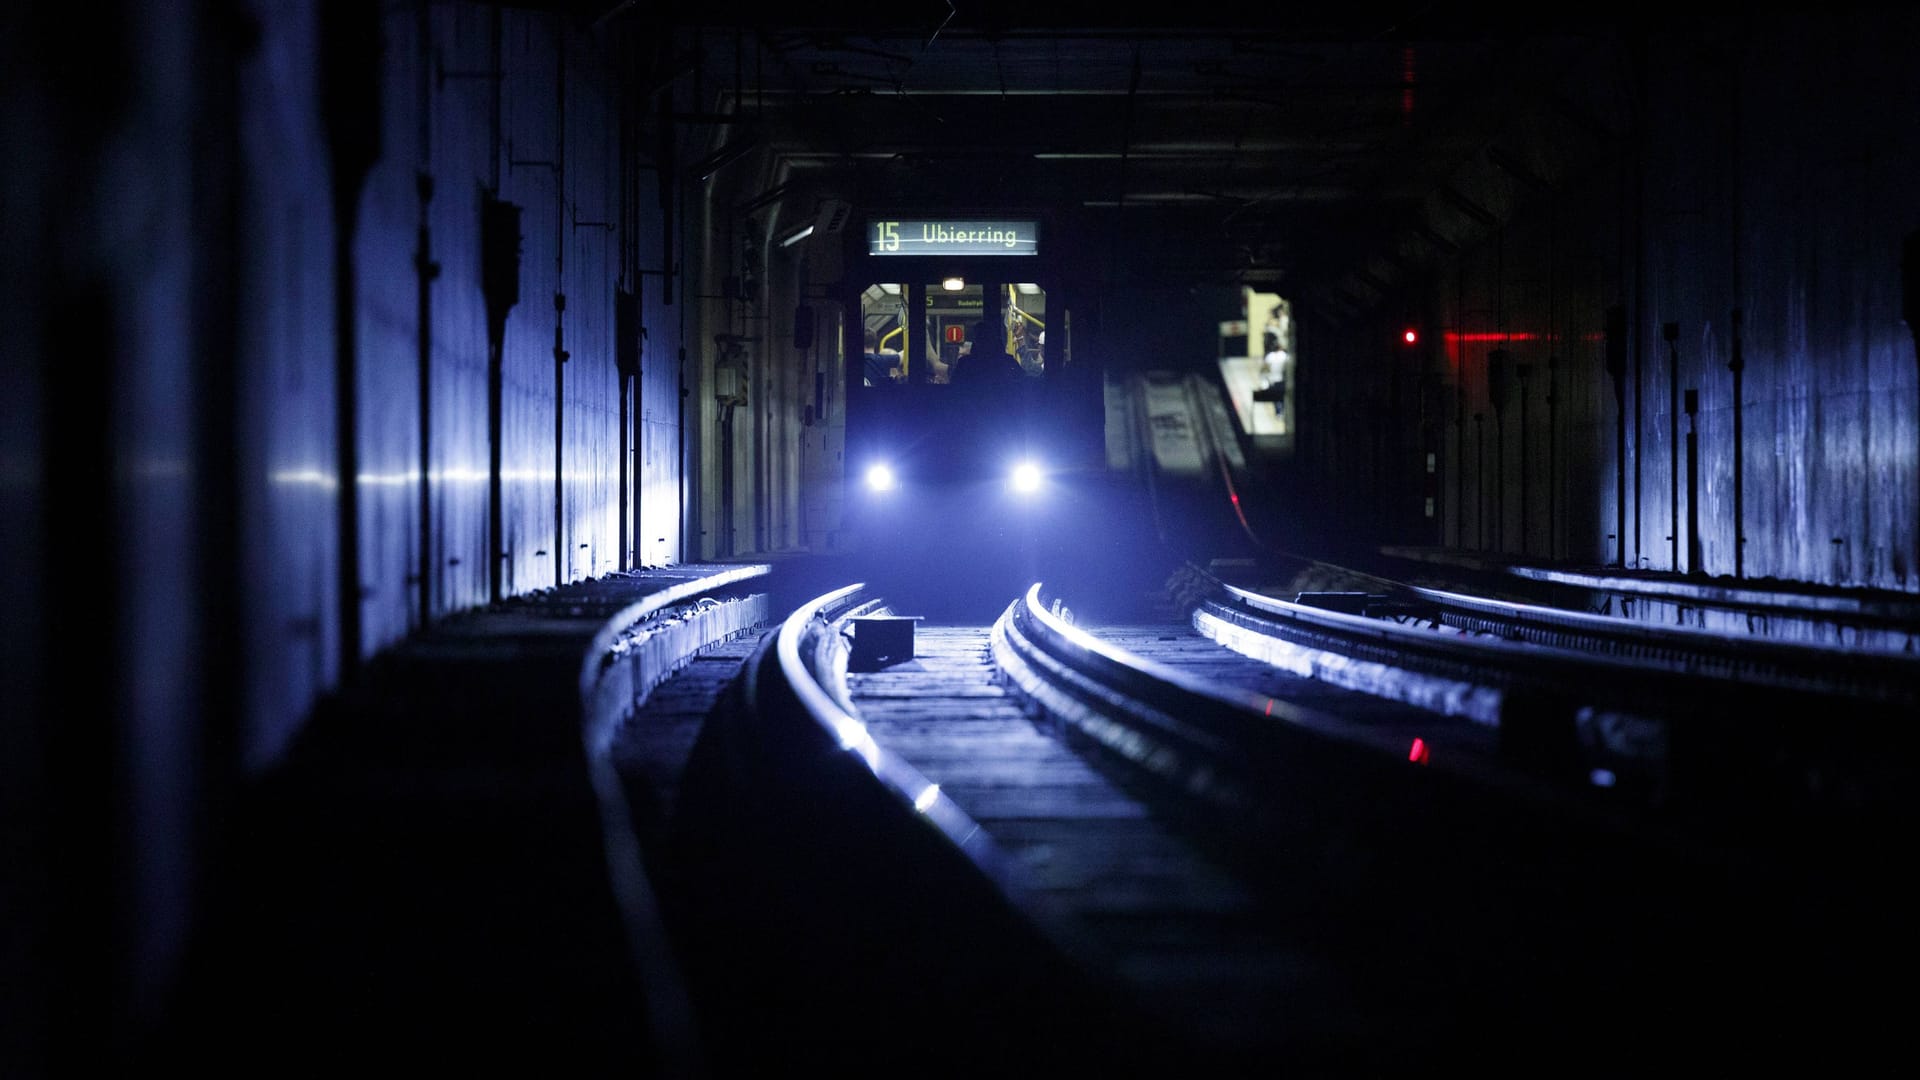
(1455, 336)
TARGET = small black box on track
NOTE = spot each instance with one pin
(879, 640)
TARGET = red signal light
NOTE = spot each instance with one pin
(1411, 336)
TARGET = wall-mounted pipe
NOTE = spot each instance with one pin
(1639, 400)
(1553, 380)
(350, 47)
(425, 271)
(689, 519)
(625, 319)
(562, 550)
(1460, 415)
(1671, 332)
(1638, 59)
(1522, 372)
(1480, 480)
(1738, 362)
(1738, 365)
(1553, 453)
(726, 480)
(1695, 565)
(1616, 360)
(1910, 311)
(1499, 362)
(1395, 473)
(500, 289)
(627, 332)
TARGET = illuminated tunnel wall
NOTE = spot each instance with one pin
(173, 435)
(554, 154)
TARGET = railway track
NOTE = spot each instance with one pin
(1701, 723)
(1039, 844)
(1869, 676)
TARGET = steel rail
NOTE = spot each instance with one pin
(1230, 748)
(1563, 639)
(1694, 728)
(809, 662)
(1878, 675)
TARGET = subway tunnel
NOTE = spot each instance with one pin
(364, 359)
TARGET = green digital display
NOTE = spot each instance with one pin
(935, 236)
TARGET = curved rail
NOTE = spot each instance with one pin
(1887, 677)
(1527, 638)
(1228, 747)
(809, 674)
(1878, 609)
(634, 650)
(1681, 715)
(1474, 677)
(811, 665)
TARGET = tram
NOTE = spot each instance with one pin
(972, 426)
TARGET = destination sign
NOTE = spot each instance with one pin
(927, 236)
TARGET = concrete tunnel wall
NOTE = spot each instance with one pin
(172, 440)
(555, 155)
(1751, 163)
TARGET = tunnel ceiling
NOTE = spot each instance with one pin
(1330, 153)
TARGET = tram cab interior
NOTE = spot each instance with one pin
(959, 317)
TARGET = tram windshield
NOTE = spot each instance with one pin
(1003, 323)
(1014, 318)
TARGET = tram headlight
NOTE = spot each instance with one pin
(1026, 478)
(880, 477)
